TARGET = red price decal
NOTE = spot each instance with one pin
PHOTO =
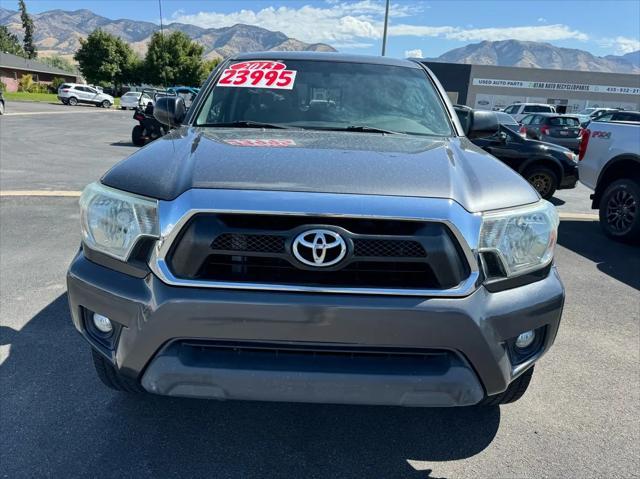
(261, 142)
(258, 74)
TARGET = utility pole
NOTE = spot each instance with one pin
(384, 33)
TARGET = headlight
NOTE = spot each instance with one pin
(522, 238)
(571, 156)
(113, 220)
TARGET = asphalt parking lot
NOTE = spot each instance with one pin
(580, 417)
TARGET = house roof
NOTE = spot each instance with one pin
(7, 60)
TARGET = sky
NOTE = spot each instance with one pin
(416, 28)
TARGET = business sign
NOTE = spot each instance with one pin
(557, 86)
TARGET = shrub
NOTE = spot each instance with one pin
(25, 83)
(55, 84)
(39, 88)
(3, 86)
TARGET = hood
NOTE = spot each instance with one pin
(323, 162)
(549, 146)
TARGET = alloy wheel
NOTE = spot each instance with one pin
(541, 182)
(622, 209)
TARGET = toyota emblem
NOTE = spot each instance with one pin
(319, 248)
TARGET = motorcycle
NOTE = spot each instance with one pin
(148, 128)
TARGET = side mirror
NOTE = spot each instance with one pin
(483, 124)
(170, 110)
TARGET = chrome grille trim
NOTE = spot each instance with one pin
(173, 215)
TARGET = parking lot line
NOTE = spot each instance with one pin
(73, 194)
(25, 113)
(55, 193)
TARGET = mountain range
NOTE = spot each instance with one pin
(59, 32)
(515, 53)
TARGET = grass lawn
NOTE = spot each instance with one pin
(44, 97)
(24, 96)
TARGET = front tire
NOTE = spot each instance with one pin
(106, 104)
(73, 101)
(137, 135)
(111, 378)
(543, 180)
(620, 210)
(514, 392)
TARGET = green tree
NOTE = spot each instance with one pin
(209, 66)
(106, 59)
(174, 59)
(57, 61)
(9, 42)
(27, 24)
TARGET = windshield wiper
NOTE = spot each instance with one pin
(247, 124)
(361, 129)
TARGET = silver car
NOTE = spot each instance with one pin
(133, 99)
(74, 93)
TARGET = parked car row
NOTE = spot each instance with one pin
(75, 93)
(545, 166)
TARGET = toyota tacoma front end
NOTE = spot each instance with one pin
(317, 228)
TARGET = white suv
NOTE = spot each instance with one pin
(520, 110)
(74, 93)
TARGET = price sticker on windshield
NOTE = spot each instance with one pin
(258, 74)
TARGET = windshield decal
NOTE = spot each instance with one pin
(261, 142)
(258, 74)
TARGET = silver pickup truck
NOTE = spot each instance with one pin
(609, 164)
(317, 227)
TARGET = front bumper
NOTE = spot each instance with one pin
(569, 180)
(153, 316)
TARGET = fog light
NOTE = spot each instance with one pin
(525, 339)
(103, 324)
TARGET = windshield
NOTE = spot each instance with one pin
(132, 93)
(564, 121)
(326, 95)
(505, 119)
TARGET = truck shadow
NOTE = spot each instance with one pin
(618, 260)
(60, 421)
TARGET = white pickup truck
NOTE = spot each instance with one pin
(610, 165)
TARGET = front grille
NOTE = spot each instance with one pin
(250, 248)
(249, 243)
(388, 248)
(371, 274)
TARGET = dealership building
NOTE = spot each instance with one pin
(488, 87)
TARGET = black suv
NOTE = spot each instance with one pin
(546, 166)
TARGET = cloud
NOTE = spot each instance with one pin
(542, 20)
(354, 24)
(622, 45)
(417, 53)
(538, 33)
